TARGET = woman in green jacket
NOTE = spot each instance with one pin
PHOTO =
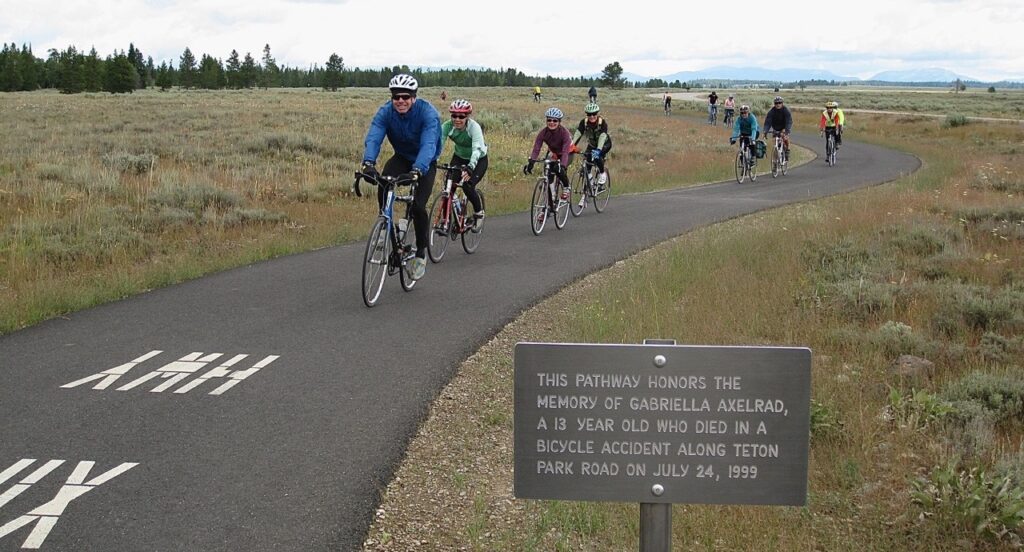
(470, 150)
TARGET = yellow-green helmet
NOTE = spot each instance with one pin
(591, 108)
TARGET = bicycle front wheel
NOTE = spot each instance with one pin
(441, 228)
(776, 162)
(562, 207)
(408, 251)
(471, 237)
(375, 261)
(603, 193)
(741, 167)
(539, 207)
(579, 189)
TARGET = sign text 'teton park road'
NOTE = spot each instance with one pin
(662, 423)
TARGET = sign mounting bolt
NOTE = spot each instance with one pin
(660, 361)
(657, 489)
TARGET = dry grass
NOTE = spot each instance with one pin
(104, 196)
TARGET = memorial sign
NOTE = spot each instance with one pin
(662, 423)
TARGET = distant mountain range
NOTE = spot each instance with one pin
(727, 73)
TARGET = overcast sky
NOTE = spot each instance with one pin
(981, 39)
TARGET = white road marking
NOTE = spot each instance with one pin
(15, 468)
(240, 375)
(46, 515)
(111, 375)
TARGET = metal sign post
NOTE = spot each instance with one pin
(660, 424)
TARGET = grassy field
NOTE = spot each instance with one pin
(928, 459)
(104, 196)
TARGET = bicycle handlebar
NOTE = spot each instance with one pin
(379, 179)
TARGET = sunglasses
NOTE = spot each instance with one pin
(403, 97)
(554, 120)
(591, 114)
(458, 115)
(778, 103)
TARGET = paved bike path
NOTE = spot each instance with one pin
(161, 452)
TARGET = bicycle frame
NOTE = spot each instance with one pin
(400, 253)
(452, 185)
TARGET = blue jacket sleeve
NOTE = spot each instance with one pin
(430, 141)
(375, 135)
(735, 129)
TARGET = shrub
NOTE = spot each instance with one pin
(990, 507)
(917, 409)
(919, 242)
(825, 423)
(196, 198)
(130, 163)
(996, 348)
(1000, 395)
(897, 338)
(954, 120)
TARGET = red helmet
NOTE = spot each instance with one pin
(461, 106)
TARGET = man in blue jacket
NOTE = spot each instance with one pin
(413, 128)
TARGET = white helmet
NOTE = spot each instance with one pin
(403, 82)
(553, 113)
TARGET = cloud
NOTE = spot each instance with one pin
(647, 36)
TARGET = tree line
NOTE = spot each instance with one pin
(72, 71)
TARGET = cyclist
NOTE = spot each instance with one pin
(712, 106)
(470, 151)
(593, 94)
(745, 129)
(779, 119)
(558, 140)
(842, 125)
(730, 109)
(668, 102)
(595, 129)
(830, 122)
(536, 93)
(412, 127)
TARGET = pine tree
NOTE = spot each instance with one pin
(271, 74)
(164, 79)
(70, 65)
(234, 67)
(211, 74)
(92, 72)
(332, 72)
(121, 75)
(248, 72)
(187, 69)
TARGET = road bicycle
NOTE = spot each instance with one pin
(713, 114)
(585, 186)
(729, 116)
(780, 161)
(746, 161)
(830, 146)
(549, 200)
(451, 216)
(392, 243)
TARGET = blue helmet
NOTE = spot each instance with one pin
(554, 113)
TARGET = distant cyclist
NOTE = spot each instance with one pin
(558, 141)
(413, 128)
(842, 125)
(536, 93)
(595, 129)
(668, 102)
(745, 129)
(730, 109)
(592, 93)
(712, 107)
(779, 119)
(470, 150)
(830, 122)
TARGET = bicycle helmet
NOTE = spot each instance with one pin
(554, 113)
(831, 105)
(403, 82)
(591, 108)
(461, 106)
(744, 108)
(778, 99)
